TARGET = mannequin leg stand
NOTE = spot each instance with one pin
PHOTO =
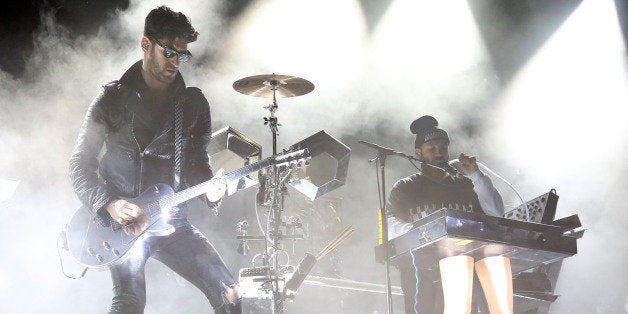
(457, 278)
(495, 276)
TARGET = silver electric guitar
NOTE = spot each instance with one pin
(96, 246)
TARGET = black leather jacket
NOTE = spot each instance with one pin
(124, 171)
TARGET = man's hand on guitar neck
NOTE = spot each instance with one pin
(129, 215)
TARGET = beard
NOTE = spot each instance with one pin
(440, 163)
(159, 71)
(436, 162)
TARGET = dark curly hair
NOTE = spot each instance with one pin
(162, 22)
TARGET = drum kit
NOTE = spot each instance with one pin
(273, 281)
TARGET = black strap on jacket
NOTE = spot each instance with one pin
(178, 139)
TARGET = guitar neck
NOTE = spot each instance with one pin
(201, 188)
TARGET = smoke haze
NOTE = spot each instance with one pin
(558, 122)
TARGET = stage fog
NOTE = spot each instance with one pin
(539, 94)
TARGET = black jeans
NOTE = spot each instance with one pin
(188, 253)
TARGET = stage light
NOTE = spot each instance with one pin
(570, 97)
(7, 189)
(296, 37)
(427, 39)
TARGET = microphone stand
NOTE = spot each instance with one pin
(382, 153)
(381, 157)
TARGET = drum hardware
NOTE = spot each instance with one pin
(327, 168)
(273, 189)
(230, 149)
(323, 172)
(307, 263)
(242, 228)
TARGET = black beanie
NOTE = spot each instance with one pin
(426, 129)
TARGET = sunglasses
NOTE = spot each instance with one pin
(169, 52)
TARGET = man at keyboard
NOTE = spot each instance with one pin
(457, 184)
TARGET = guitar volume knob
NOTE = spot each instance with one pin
(90, 251)
(99, 258)
(115, 252)
(106, 245)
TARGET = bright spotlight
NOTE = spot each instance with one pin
(296, 37)
(7, 189)
(576, 82)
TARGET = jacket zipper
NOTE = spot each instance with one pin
(138, 186)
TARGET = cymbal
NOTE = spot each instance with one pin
(263, 86)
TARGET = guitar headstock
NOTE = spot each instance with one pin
(292, 158)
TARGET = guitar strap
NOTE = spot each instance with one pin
(178, 139)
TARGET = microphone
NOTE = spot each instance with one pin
(302, 270)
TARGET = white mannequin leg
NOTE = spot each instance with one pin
(457, 277)
(496, 278)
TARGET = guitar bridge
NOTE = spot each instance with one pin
(116, 226)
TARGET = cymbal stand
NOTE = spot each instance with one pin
(273, 184)
(278, 189)
(272, 120)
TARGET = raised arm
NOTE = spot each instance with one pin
(490, 199)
